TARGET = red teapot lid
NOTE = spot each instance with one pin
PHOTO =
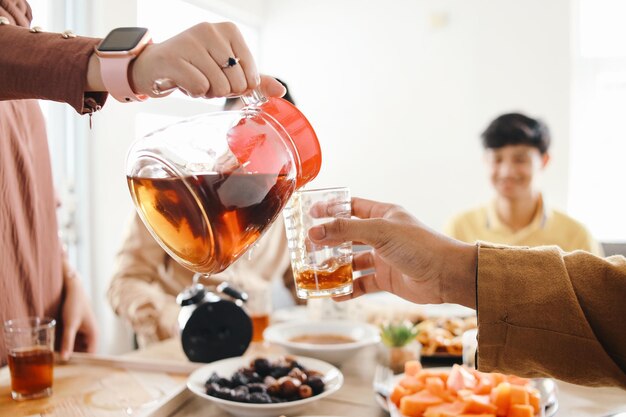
(250, 135)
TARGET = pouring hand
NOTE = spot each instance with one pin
(409, 259)
(195, 61)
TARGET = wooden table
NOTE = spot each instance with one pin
(74, 383)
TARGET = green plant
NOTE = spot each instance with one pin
(398, 334)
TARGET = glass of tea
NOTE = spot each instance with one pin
(30, 344)
(259, 308)
(318, 270)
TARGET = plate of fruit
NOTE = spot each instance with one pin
(461, 391)
(265, 386)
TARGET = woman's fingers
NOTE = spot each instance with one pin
(217, 82)
(70, 328)
(217, 51)
(216, 58)
(246, 61)
(191, 80)
(270, 87)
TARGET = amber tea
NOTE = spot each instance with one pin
(29, 342)
(31, 370)
(259, 324)
(319, 280)
(208, 221)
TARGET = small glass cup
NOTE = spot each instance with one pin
(318, 270)
(470, 344)
(259, 308)
(30, 345)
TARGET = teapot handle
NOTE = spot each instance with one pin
(254, 98)
(164, 86)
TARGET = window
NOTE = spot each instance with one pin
(598, 147)
(50, 15)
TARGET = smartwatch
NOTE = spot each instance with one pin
(115, 53)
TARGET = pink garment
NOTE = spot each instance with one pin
(32, 65)
(30, 255)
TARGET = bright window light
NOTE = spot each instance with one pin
(597, 171)
(40, 11)
(602, 28)
(598, 147)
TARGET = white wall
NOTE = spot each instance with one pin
(399, 91)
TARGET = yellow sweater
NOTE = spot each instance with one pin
(548, 227)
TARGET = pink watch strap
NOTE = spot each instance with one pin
(114, 72)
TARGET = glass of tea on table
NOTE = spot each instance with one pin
(30, 346)
(259, 308)
(318, 270)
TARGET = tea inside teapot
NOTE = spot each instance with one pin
(234, 210)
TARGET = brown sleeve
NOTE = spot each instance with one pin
(46, 66)
(545, 312)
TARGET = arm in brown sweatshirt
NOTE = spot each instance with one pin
(545, 312)
(46, 66)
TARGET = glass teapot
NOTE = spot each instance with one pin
(208, 187)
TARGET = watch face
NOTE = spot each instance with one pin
(122, 39)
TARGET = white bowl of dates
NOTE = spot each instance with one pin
(265, 386)
(333, 341)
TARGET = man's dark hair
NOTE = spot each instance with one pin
(230, 101)
(516, 129)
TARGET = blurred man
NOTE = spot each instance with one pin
(516, 153)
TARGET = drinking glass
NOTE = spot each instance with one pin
(30, 346)
(318, 270)
(470, 344)
(259, 307)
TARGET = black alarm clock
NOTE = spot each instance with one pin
(213, 327)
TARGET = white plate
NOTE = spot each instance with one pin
(333, 379)
(546, 387)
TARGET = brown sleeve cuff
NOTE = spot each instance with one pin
(530, 320)
(46, 66)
